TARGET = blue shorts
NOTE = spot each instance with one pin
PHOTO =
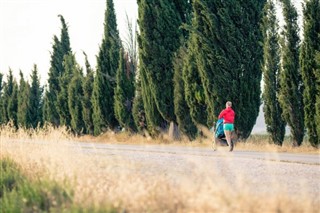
(228, 127)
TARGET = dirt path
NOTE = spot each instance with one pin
(258, 172)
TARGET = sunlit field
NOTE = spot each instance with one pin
(112, 183)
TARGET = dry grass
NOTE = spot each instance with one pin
(100, 180)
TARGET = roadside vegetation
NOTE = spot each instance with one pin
(31, 191)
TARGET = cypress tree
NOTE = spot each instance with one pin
(310, 45)
(138, 108)
(13, 105)
(46, 112)
(23, 113)
(291, 87)
(11, 99)
(87, 86)
(2, 118)
(1, 76)
(193, 86)
(65, 47)
(35, 106)
(271, 71)
(229, 57)
(317, 115)
(159, 38)
(153, 119)
(107, 65)
(64, 81)
(124, 93)
(182, 111)
(132, 64)
(97, 101)
(60, 49)
(55, 70)
(75, 95)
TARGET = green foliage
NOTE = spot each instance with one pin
(87, 86)
(317, 70)
(138, 110)
(124, 93)
(60, 49)
(2, 115)
(193, 89)
(11, 99)
(97, 103)
(1, 85)
(271, 72)
(55, 71)
(23, 113)
(158, 40)
(153, 119)
(35, 100)
(107, 65)
(291, 88)
(75, 99)
(181, 108)
(229, 56)
(310, 46)
(70, 68)
(47, 107)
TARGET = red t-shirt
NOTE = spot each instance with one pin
(228, 115)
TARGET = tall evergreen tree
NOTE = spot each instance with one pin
(181, 108)
(64, 81)
(11, 99)
(130, 45)
(23, 113)
(159, 39)
(2, 118)
(107, 65)
(75, 99)
(138, 108)
(46, 105)
(1, 84)
(309, 47)
(55, 71)
(271, 71)
(60, 49)
(35, 106)
(87, 86)
(153, 119)
(317, 115)
(291, 87)
(124, 93)
(229, 57)
(193, 86)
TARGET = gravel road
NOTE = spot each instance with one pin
(258, 172)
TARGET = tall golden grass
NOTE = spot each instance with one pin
(128, 185)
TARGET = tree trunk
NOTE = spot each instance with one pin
(174, 133)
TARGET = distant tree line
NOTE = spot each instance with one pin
(178, 69)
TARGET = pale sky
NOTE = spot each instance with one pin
(27, 28)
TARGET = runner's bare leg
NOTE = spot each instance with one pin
(228, 136)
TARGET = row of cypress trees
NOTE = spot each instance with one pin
(291, 72)
(193, 57)
(21, 103)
